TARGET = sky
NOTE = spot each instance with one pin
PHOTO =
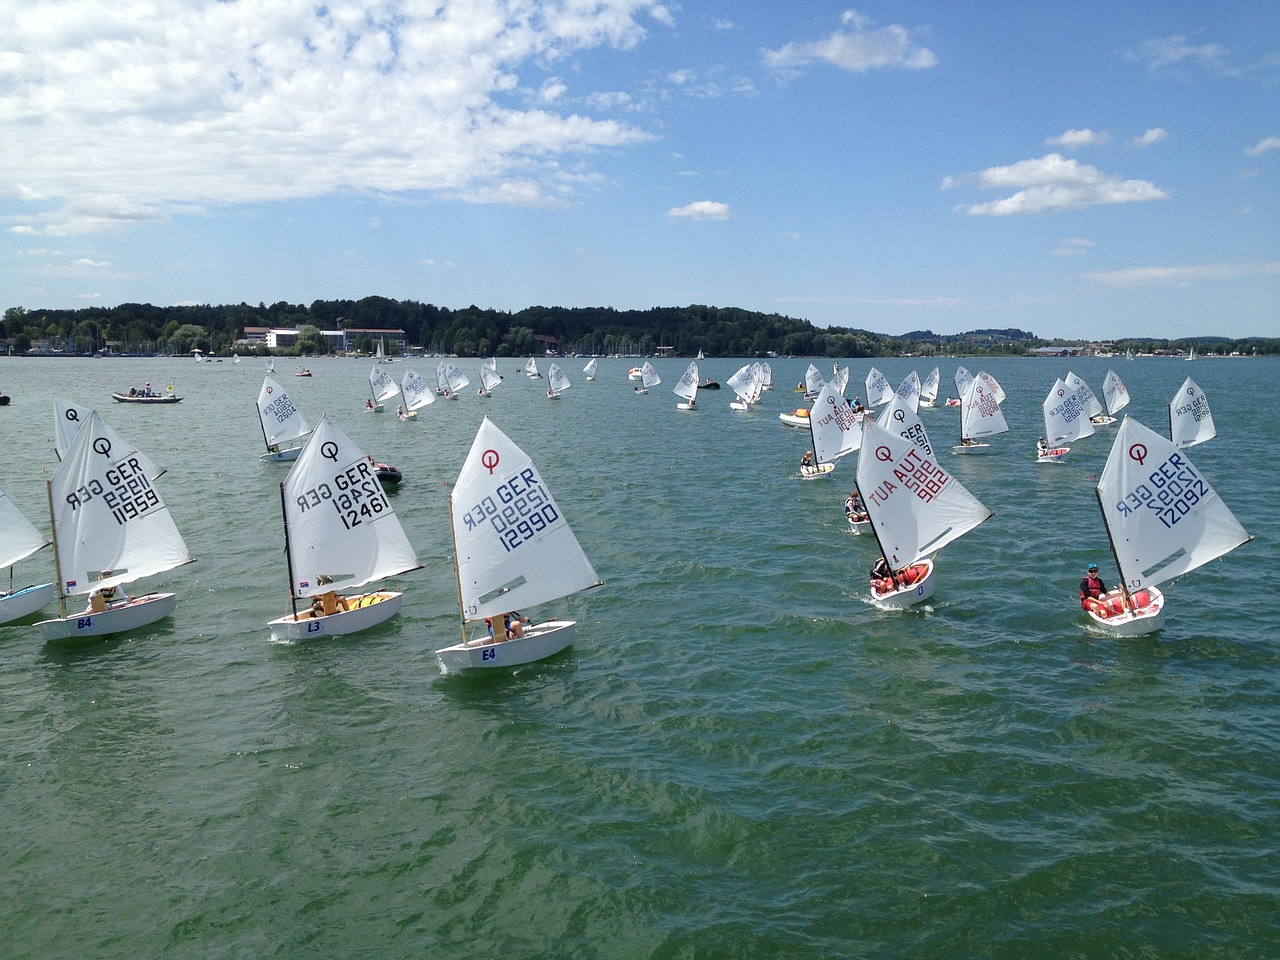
(1079, 170)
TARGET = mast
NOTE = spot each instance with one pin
(265, 442)
(57, 561)
(288, 554)
(1111, 545)
(457, 575)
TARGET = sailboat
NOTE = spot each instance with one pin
(813, 382)
(557, 382)
(271, 364)
(1191, 355)
(110, 527)
(980, 417)
(1065, 420)
(648, 378)
(929, 389)
(687, 387)
(1163, 519)
(834, 428)
(382, 387)
(1190, 421)
(745, 383)
(489, 377)
(915, 507)
(19, 539)
(531, 369)
(1116, 397)
(1128, 353)
(282, 423)
(339, 533)
(878, 389)
(590, 369)
(451, 380)
(509, 559)
(417, 394)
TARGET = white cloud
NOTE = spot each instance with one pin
(1074, 139)
(857, 47)
(1074, 246)
(1152, 136)
(86, 262)
(700, 210)
(1051, 182)
(1262, 146)
(1182, 276)
(719, 24)
(1171, 51)
(198, 103)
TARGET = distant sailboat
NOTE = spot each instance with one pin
(980, 417)
(382, 387)
(1065, 420)
(1116, 397)
(648, 378)
(590, 369)
(489, 377)
(687, 387)
(929, 389)
(284, 429)
(19, 539)
(417, 394)
(531, 369)
(1190, 421)
(557, 382)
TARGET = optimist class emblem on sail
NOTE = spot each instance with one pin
(518, 510)
(1171, 490)
(915, 472)
(125, 488)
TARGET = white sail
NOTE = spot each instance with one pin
(833, 425)
(878, 389)
(557, 382)
(743, 383)
(909, 390)
(929, 388)
(841, 380)
(531, 368)
(916, 507)
(590, 369)
(766, 371)
(649, 376)
(1065, 418)
(993, 386)
(980, 414)
(687, 387)
(902, 418)
(271, 364)
(383, 385)
(281, 420)
(1190, 421)
(417, 392)
(1092, 405)
(514, 548)
(1114, 392)
(453, 378)
(18, 536)
(813, 381)
(1162, 516)
(962, 378)
(108, 516)
(342, 532)
(489, 377)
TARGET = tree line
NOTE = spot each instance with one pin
(142, 328)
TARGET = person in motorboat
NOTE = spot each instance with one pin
(1092, 591)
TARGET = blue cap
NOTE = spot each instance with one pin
(1092, 566)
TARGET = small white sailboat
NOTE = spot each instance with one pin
(590, 369)
(1092, 405)
(557, 382)
(648, 378)
(744, 384)
(1065, 420)
(110, 527)
(1163, 520)
(915, 508)
(271, 364)
(382, 388)
(511, 559)
(687, 387)
(980, 417)
(1128, 353)
(417, 394)
(929, 389)
(1191, 354)
(1116, 396)
(834, 428)
(1190, 420)
(962, 380)
(878, 389)
(340, 533)
(813, 382)
(531, 369)
(489, 377)
(235, 358)
(451, 380)
(19, 539)
(284, 428)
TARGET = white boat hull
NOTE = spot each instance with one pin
(971, 448)
(859, 527)
(304, 626)
(817, 471)
(539, 642)
(1055, 455)
(24, 602)
(1104, 421)
(908, 595)
(1147, 618)
(121, 618)
(281, 456)
(795, 420)
(684, 406)
(739, 405)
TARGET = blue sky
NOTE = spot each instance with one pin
(1074, 169)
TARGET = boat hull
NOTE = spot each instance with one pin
(739, 405)
(1146, 619)
(125, 398)
(539, 642)
(859, 527)
(817, 471)
(797, 419)
(281, 456)
(971, 448)
(1055, 455)
(24, 602)
(910, 594)
(121, 618)
(291, 629)
(684, 406)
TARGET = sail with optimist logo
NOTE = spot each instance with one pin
(1190, 420)
(284, 429)
(687, 387)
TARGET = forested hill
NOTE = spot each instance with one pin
(476, 331)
